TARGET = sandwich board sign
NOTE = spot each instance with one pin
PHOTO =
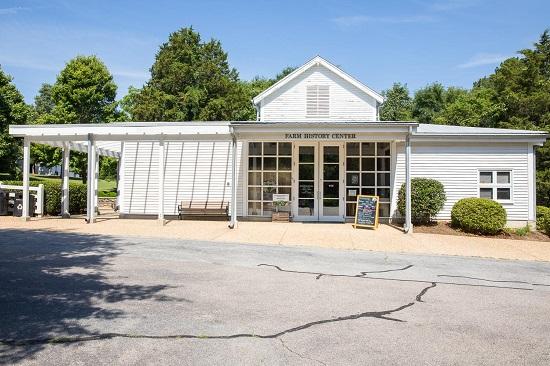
(366, 211)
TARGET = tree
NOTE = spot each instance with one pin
(13, 110)
(428, 102)
(44, 104)
(397, 105)
(190, 80)
(475, 108)
(84, 92)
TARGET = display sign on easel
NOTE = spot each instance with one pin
(366, 211)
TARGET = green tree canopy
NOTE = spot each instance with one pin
(13, 110)
(190, 80)
(43, 101)
(398, 104)
(84, 92)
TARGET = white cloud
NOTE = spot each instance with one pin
(482, 59)
(14, 10)
(43, 66)
(355, 20)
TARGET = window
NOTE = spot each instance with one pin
(368, 172)
(495, 185)
(269, 172)
(317, 101)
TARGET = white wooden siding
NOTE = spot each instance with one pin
(457, 166)
(347, 102)
(197, 171)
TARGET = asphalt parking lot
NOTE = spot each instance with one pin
(68, 298)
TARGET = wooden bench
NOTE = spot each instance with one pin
(203, 209)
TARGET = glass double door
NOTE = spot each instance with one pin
(318, 183)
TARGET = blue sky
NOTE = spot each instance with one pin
(379, 42)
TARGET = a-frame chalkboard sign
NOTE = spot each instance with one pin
(366, 211)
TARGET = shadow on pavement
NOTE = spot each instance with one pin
(51, 281)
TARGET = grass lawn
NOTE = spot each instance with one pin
(107, 188)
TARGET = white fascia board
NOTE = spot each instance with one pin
(122, 131)
(387, 128)
(318, 60)
(537, 139)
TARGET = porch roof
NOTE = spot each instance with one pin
(109, 136)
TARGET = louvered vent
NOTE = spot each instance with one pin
(317, 101)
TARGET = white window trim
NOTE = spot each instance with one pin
(277, 171)
(496, 185)
(376, 172)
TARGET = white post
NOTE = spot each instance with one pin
(408, 219)
(161, 182)
(96, 184)
(532, 180)
(26, 166)
(40, 200)
(91, 180)
(65, 192)
(233, 223)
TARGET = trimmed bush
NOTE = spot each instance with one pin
(427, 199)
(543, 219)
(478, 215)
(52, 196)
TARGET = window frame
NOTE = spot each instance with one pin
(495, 185)
(375, 171)
(276, 171)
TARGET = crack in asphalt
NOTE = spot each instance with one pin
(320, 274)
(495, 281)
(384, 314)
(363, 275)
(299, 354)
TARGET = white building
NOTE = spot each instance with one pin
(319, 140)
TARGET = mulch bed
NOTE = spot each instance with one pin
(444, 228)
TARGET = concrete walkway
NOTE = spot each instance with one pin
(330, 235)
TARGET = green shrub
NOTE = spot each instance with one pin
(478, 215)
(52, 196)
(522, 231)
(427, 199)
(543, 219)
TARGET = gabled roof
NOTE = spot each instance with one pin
(316, 61)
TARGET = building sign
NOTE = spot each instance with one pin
(281, 197)
(320, 136)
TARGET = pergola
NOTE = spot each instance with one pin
(108, 140)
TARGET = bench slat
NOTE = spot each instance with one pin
(195, 208)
